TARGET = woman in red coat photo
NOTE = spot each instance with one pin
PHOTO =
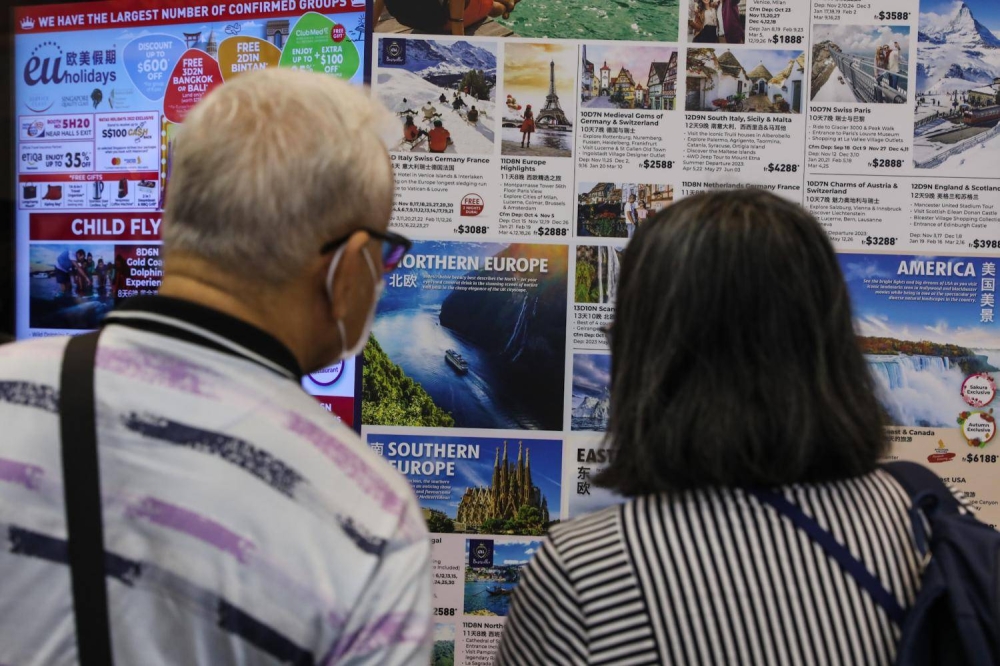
(527, 126)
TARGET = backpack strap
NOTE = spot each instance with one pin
(929, 497)
(82, 485)
(921, 484)
(833, 548)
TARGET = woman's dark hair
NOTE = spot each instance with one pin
(734, 359)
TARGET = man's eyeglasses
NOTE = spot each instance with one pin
(394, 246)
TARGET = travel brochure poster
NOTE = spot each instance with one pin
(479, 485)
(931, 340)
(487, 379)
(927, 329)
(152, 67)
(470, 335)
(100, 92)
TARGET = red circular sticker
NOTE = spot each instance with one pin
(338, 33)
(472, 205)
(979, 389)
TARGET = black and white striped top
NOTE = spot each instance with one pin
(716, 577)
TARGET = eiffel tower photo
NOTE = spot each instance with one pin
(531, 73)
(552, 114)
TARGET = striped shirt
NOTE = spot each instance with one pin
(243, 524)
(717, 577)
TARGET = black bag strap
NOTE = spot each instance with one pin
(929, 498)
(851, 565)
(81, 479)
(920, 482)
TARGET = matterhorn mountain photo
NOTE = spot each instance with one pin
(954, 49)
(958, 87)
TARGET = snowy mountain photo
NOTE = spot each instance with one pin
(435, 60)
(958, 86)
(954, 49)
(447, 90)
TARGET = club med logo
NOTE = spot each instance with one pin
(393, 52)
(27, 23)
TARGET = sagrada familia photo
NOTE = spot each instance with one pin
(511, 489)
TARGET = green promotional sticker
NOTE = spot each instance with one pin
(318, 44)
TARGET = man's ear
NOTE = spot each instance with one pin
(345, 282)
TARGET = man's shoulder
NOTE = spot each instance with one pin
(38, 358)
(348, 455)
(335, 430)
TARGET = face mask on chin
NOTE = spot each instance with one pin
(359, 344)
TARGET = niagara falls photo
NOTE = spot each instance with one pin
(925, 326)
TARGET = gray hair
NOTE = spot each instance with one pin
(272, 165)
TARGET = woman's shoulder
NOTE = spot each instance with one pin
(588, 528)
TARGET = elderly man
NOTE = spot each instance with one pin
(242, 523)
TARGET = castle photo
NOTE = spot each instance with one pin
(511, 497)
(628, 77)
(479, 485)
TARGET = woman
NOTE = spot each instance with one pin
(709, 13)
(735, 366)
(729, 16)
(410, 131)
(893, 59)
(527, 126)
